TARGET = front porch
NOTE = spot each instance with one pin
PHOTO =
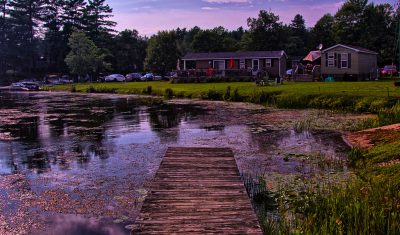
(203, 73)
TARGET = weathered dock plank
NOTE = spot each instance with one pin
(197, 191)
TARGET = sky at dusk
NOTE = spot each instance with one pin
(150, 16)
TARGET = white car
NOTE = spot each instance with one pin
(115, 78)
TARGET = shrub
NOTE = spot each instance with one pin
(214, 95)
(73, 88)
(148, 90)
(377, 105)
(168, 93)
(294, 101)
(264, 97)
(180, 94)
(390, 116)
(91, 89)
(236, 96)
(355, 155)
(227, 95)
(363, 105)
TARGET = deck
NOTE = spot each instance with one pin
(197, 191)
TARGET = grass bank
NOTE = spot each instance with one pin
(245, 89)
(366, 204)
(374, 97)
(346, 96)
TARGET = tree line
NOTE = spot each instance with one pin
(39, 37)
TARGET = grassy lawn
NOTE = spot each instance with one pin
(362, 89)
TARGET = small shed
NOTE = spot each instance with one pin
(349, 63)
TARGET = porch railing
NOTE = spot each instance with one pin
(216, 73)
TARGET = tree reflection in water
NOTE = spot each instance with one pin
(52, 130)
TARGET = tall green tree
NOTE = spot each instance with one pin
(298, 40)
(54, 44)
(3, 36)
(323, 31)
(348, 26)
(162, 52)
(208, 41)
(265, 33)
(85, 57)
(185, 44)
(72, 16)
(99, 27)
(129, 52)
(25, 19)
(378, 32)
(96, 16)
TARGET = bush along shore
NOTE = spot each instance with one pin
(368, 203)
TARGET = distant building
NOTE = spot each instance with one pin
(349, 63)
(274, 62)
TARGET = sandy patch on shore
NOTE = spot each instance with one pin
(366, 139)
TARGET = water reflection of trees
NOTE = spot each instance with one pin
(165, 119)
(59, 131)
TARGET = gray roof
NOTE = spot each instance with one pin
(354, 48)
(234, 55)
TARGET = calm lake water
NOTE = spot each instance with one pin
(83, 163)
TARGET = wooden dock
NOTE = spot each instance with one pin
(197, 191)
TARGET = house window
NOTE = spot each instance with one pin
(268, 63)
(331, 59)
(256, 64)
(219, 64)
(242, 64)
(344, 60)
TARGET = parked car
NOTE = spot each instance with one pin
(133, 77)
(147, 77)
(115, 78)
(157, 78)
(66, 80)
(173, 75)
(389, 70)
(25, 86)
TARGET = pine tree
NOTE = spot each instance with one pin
(98, 26)
(25, 19)
(3, 36)
(72, 16)
(298, 37)
(96, 18)
(53, 40)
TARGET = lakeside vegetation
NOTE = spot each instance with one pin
(196, 90)
(366, 204)
(341, 96)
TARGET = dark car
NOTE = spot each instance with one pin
(147, 77)
(133, 77)
(389, 70)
